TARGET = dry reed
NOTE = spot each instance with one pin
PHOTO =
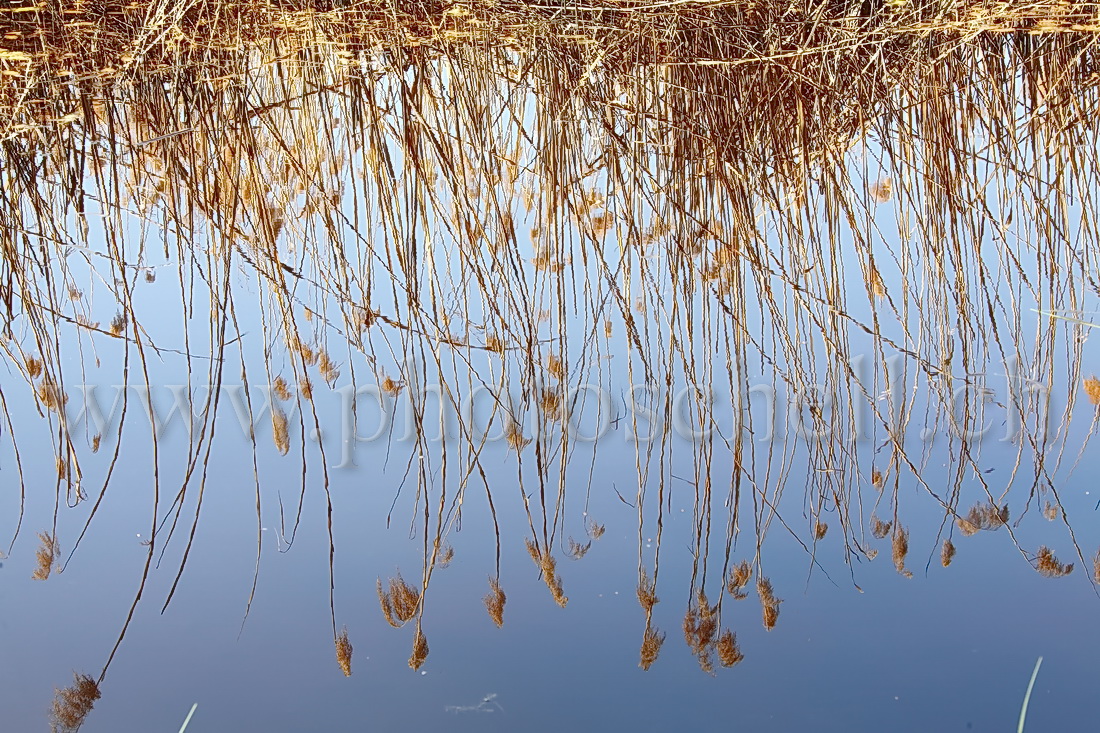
(343, 652)
(71, 705)
(1050, 566)
(45, 555)
(399, 601)
(494, 602)
(739, 578)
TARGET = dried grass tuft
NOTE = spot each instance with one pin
(947, 553)
(343, 652)
(652, 640)
(769, 604)
(494, 602)
(739, 579)
(729, 653)
(45, 556)
(419, 651)
(71, 705)
(1092, 389)
(647, 592)
(982, 517)
(1050, 566)
(399, 601)
(900, 547)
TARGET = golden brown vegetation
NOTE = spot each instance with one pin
(343, 652)
(399, 601)
(45, 555)
(494, 602)
(549, 569)
(420, 650)
(1050, 566)
(652, 640)
(701, 630)
(900, 550)
(1092, 389)
(280, 430)
(769, 604)
(982, 516)
(647, 592)
(947, 553)
(729, 653)
(739, 578)
(71, 705)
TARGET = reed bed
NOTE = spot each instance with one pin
(721, 195)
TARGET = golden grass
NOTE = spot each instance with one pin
(769, 604)
(652, 640)
(947, 553)
(343, 652)
(45, 555)
(494, 602)
(419, 651)
(548, 567)
(517, 441)
(51, 396)
(701, 630)
(982, 517)
(577, 550)
(900, 550)
(280, 430)
(1092, 389)
(399, 601)
(282, 389)
(1050, 566)
(71, 705)
(647, 593)
(739, 578)
(729, 653)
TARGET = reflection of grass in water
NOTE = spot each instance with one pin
(947, 553)
(420, 650)
(652, 640)
(739, 578)
(1050, 566)
(343, 652)
(494, 602)
(769, 604)
(548, 566)
(715, 206)
(45, 555)
(1092, 390)
(71, 705)
(982, 517)
(900, 550)
(399, 601)
(729, 653)
(647, 593)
